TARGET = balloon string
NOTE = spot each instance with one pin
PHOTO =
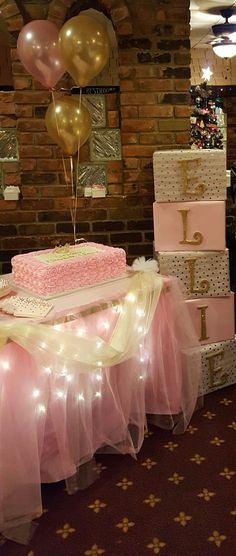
(78, 152)
(58, 131)
(73, 199)
(75, 189)
(67, 180)
(77, 167)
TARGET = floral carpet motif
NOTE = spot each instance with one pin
(177, 498)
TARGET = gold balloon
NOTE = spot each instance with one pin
(84, 48)
(68, 124)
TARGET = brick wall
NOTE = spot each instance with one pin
(230, 109)
(154, 60)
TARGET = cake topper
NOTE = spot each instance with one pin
(62, 249)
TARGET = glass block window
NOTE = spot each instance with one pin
(97, 109)
(91, 173)
(105, 145)
(8, 145)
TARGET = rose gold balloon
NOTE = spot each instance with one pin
(37, 48)
(68, 124)
(84, 47)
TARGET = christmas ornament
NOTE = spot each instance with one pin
(219, 102)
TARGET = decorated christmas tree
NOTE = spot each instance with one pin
(205, 133)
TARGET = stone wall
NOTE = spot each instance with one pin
(153, 106)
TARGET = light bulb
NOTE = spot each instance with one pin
(36, 393)
(43, 345)
(131, 297)
(140, 312)
(41, 408)
(60, 394)
(80, 332)
(5, 365)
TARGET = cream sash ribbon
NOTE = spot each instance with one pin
(46, 343)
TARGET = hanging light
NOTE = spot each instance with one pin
(224, 47)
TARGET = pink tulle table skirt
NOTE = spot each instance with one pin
(52, 424)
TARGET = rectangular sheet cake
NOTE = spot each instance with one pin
(66, 268)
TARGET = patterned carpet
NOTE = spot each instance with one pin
(177, 499)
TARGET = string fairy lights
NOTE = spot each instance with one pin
(64, 350)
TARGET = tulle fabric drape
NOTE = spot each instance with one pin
(54, 416)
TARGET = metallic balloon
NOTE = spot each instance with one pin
(84, 47)
(68, 124)
(37, 48)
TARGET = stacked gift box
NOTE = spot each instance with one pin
(189, 240)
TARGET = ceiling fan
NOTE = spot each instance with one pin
(226, 28)
(224, 44)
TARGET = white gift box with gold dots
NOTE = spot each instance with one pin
(200, 273)
(189, 175)
(218, 363)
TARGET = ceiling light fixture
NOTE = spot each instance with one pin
(225, 44)
(224, 47)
